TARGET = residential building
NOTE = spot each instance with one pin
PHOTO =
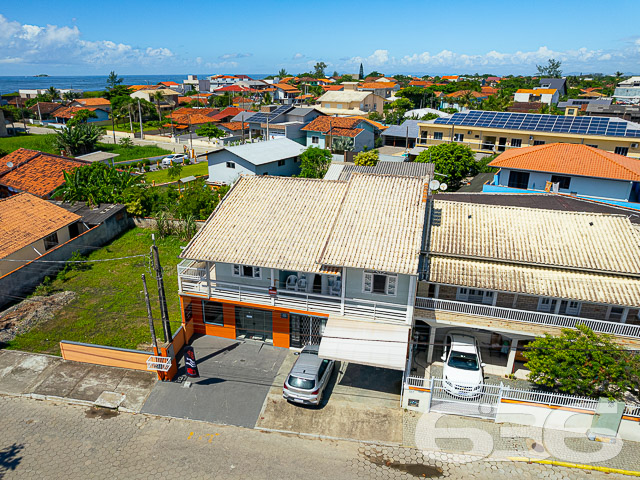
(194, 83)
(169, 101)
(64, 114)
(29, 227)
(343, 170)
(349, 101)
(578, 106)
(405, 135)
(285, 93)
(44, 110)
(225, 115)
(382, 89)
(628, 91)
(34, 172)
(323, 132)
(234, 130)
(559, 84)
(452, 78)
(27, 93)
(542, 95)
(274, 121)
(490, 132)
(102, 103)
(453, 99)
(294, 261)
(572, 169)
(280, 157)
(217, 81)
(626, 112)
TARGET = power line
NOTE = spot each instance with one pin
(73, 261)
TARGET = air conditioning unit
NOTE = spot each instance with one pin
(634, 145)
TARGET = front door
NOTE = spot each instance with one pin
(502, 142)
(306, 330)
(254, 324)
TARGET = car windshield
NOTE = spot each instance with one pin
(303, 383)
(463, 361)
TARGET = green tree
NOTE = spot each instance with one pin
(419, 96)
(314, 162)
(173, 172)
(53, 93)
(361, 72)
(375, 73)
(210, 131)
(318, 69)
(551, 69)
(81, 117)
(78, 139)
(342, 144)
(158, 97)
(70, 96)
(367, 159)
(451, 159)
(125, 142)
(283, 73)
(95, 184)
(581, 362)
(394, 111)
(113, 80)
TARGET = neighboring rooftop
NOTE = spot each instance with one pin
(25, 219)
(344, 96)
(99, 156)
(570, 159)
(260, 153)
(91, 215)
(343, 171)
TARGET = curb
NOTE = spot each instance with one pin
(578, 466)
(327, 437)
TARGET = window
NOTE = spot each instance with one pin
(593, 146)
(458, 137)
(474, 295)
(562, 180)
(546, 304)
(379, 283)
(295, 159)
(518, 179)
(246, 271)
(231, 165)
(573, 307)
(538, 142)
(516, 142)
(212, 313)
(621, 151)
(437, 135)
(51, 241)
(281, 163)
(339, 105)
(315, 140)
(74, 230)
(615, 314)
(323, 368)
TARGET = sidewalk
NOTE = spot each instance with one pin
(49, 377)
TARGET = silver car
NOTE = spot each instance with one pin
(308, 378)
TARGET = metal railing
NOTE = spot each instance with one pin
(527, 316)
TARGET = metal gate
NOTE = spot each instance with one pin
(467, 400)
(306, 330)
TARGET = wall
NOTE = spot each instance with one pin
(289, 168)
(364, 138)
(150, 223)
(354, 288)
(218, 171)
(321, 140)
(102, 355)
(224, 273)
(24, 279)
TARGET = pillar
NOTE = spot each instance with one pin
(413, 285)
(512, 355)
(343, 278)
(432, 341)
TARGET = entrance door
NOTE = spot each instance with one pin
(502, 142)
(254, 324)
(306, 330)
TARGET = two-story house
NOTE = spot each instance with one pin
(350, 101)
(572, 169)
(628, 91)
(274, 121)
(295, 261)
(324, 132)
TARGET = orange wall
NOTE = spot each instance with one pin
(280, 329)
(99, 355)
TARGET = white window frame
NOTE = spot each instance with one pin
(237, 270)
(458, 137)
(391, 283)
(573, 307)
(315, 140)
(437, 135)
(231, 164)
(544, 304)
(462, 295)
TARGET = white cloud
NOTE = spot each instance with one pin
(228, 56)
(377, 59)
(298, 56)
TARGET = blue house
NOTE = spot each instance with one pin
(572, 169)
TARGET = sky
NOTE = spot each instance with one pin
(419, 37)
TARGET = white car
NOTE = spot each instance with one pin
(463, 373)
(173, 158)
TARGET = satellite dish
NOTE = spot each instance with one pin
(443, 186)
(434, 184)
(10, 164)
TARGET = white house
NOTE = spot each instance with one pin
(543, 95)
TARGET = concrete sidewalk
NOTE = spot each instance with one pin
(46, 376)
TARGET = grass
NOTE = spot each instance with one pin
(109, 308)
(44, 143)
(162, 176)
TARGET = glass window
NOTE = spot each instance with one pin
(538, 142)
(281, 163)
(303, 383)
(518, 179)
(516, 142)
(615, 314)
(458, 137)
(323, 368)
(621, 151)
(212, 313)
(437, 135)
(379, 283)
(573, 307)
(231, 165)
(315, 140)
(246, 271)
(546, 304)
(51, 241)
(463, 360)
(564, 182)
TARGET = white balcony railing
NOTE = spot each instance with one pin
(192, 277)
(525, 316)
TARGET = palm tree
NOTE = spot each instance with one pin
(128, 107)
(158, 97)
(78, 139)
(53, 92)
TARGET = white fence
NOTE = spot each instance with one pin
(525, 316)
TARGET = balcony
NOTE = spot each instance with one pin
(525, 317)
(195, 280)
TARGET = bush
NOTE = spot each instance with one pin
(147, 168)
(367, 159)
(125, 142)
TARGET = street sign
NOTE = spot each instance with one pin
(190, 362)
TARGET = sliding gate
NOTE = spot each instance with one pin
(465, 400)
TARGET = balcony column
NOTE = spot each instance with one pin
(512, 355)
(413, 285)
(432, 341)
(208, 268)
(625, 314)
(343, 292)
(273, 284)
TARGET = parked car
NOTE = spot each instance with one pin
(173, 158)
(308, 378)
(463, 373)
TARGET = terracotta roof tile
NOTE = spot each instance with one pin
(25, 219)
(571, 159)
(45, 108)
(286, 87)
(233, 126)
(346, 132)
(226, 113)
(324, 123)
(93, 102)
(378, 85)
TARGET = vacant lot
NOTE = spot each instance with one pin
(44, 143)
(162, 176)
(109, 308)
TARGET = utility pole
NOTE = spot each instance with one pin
(161, 296)
(113, 128)
(140, 115)
(154, 341)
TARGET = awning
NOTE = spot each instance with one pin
(365, 343)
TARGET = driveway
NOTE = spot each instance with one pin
(235, 378)
(361, 403)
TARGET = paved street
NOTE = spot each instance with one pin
(42, 439)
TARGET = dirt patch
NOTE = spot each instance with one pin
(25, 315)
(415, 469)
(101, 413)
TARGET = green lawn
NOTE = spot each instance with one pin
(44, 143)
(162, 176)
(110, 307)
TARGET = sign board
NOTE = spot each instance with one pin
(190, 363)
(273, 290)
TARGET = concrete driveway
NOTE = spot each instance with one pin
(361, 403)
(235, 377)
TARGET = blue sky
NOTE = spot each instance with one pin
(92, 38)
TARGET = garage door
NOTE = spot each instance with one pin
(365, 343)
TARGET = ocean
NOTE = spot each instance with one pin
(89, 82)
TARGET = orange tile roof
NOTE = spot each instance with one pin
(93, 102)
(489, 90)
(345, 132)
(286, 79)
(67, 112)
(378, 85)
(372, 122)
(227, 112)
(450, 77)
(539, 91)
(170, 83)
(332, 88)
(135, 88)
(420, 83)
(570, 159)
(193, 119)
(233, 126)
(286, 87)
(25, 219)
(324, 124)
(36, 172)
(462, 93)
